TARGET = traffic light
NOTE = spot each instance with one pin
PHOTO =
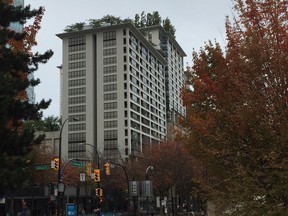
(99, 192)
(88, 168)
(100, 201)
(56, 164)
(107, 168)
(97, 175)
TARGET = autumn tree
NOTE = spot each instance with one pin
(16, 62)
(42, 154)
(236, 102)
(172, 168)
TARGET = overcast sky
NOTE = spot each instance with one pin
(196, 22)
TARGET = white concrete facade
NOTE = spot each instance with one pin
(113, 81)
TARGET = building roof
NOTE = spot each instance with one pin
(168, 34)
(137, 32)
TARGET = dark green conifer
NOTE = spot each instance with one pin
(16, 63)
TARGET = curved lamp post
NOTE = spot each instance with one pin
(60, 185)
(146, 173)
(147, 178)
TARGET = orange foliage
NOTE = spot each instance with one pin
(71, 175)
(237, 106)
(172, 166)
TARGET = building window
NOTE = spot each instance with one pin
(109, 69)
(76, 154)
(77, 65)
(77, 56)
(112, 105)
(110, 124)
(134, 107)
(135, 116)
(110, 60)
(111, 87)
(111, 51)
(77, 48)
(110, 78)
(77, 40)
(110, 115)
(110, 144)
(76, 109)
(77, 91)
(135, 125)
(146, 130)
(78, 82)
(109, 43)
(109, 35)
(111, 153)
(145, 121)
(77, 127)
(111, 96)
(110, 134)
(79, 73)
(73, 137)
(77, 100)
(81, 117)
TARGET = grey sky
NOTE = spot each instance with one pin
(196, 22)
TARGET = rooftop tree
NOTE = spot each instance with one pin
(16, 62)
(237, 111)
(140, 21)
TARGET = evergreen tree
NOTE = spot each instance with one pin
(50, 123)
(16, 63)
(140, 21)
(168, 26)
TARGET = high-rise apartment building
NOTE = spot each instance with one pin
(114, 80)
(166, 44)
(18, 27)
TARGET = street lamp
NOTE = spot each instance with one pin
(147, 178)
(60, 185)
(146, 173)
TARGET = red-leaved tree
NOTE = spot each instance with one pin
(237, 104)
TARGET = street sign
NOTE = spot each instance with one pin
(92, 176)
(147, 189)
(82, 177)
(78, 164)
(42, 167)
(52, 164)
(71, 209)
(134, 188)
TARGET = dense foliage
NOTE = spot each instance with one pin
(140, 21)
(49, 123)
(16, 63)
(237, 111)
